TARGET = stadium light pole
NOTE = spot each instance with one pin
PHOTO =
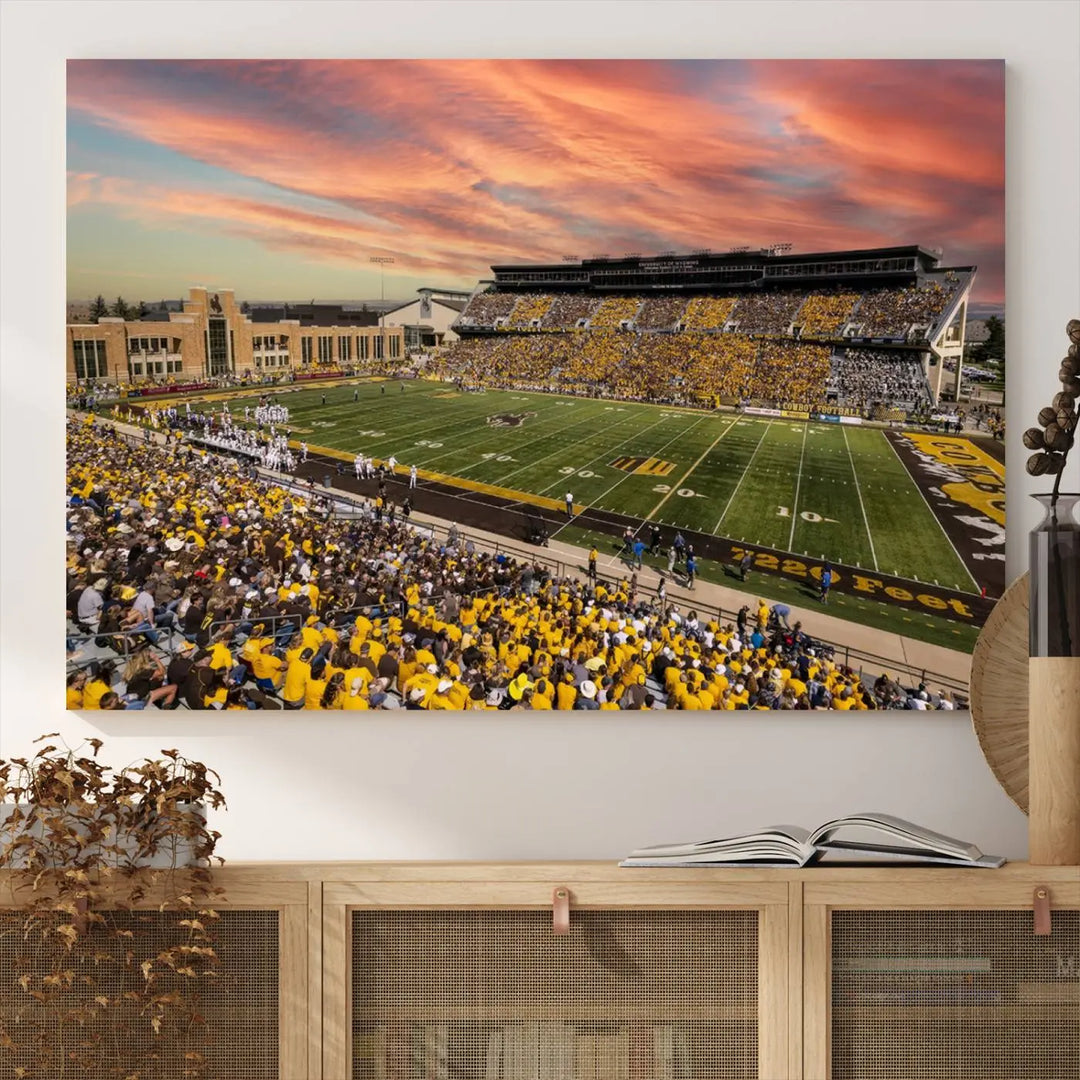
(382, 260)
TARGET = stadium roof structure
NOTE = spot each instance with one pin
(453, 305)
(733, 270)
(741, 255)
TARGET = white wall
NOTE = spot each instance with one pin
(579, 787)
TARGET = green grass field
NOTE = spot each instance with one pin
(823, 490)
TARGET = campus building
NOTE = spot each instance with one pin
(428, 320)
(211, 337)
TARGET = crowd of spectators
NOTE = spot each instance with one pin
(708, 312)
(589, 359)
(567, 310)
(863, 378)
(701, 364)
(613, 311)
(529, 307)
(824, 314)
(484, 308)
(893, 312)
(767, 313)
(720, 365)
(217, 589)
(660, 312)
(687, 368)
(789, 373)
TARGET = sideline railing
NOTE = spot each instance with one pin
(855, 659)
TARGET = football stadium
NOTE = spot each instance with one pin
(749, 480)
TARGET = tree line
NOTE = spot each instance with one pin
(118, 309)
(100, 308)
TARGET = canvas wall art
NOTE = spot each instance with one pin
(533, 385)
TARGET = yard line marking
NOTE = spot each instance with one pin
(858, 490)
(472, 422)
(562, 448)
(627, 476)
(514, 449)
(798, 484)
(608, 451)
(412, 422)
(675, 438)
(418, 422)
(743, 477)
(686, 475)
(915, 484)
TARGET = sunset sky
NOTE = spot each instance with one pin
(281, 178)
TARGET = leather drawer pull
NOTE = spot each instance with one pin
(1041, 906)
(560, 911)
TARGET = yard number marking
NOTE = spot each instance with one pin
(684, 493)
(806, 515)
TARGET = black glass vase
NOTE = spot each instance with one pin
(1055, 579)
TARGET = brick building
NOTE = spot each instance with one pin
(212, 337)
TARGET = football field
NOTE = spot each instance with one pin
(826, 491)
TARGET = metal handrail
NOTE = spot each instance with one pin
(336, 495)
(126, 636)
(342, 616)
(850, 655)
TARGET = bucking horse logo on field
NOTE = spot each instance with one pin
(509, 419)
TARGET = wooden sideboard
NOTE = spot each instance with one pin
(395, 971)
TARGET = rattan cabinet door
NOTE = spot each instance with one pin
(236, 1029)
(953, 995)
(496, 995)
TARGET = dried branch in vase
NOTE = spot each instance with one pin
(1053, 440)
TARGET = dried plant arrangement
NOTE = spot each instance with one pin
(107, 910)
(1056, 434)
(1054, 603)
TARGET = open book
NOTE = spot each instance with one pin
(861, 838)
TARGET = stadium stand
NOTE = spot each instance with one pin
(767, 313)
(192, 582)
(660, 312)
(484, 308)
(587, 360)
(687, 368)
(862, 378)
(568, 310)
(825, 315)
(613, 311)
(894, 312)
(708, 312)
(532, 306)
(761, 346)
(718, 366)
(788, 372)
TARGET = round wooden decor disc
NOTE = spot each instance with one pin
(999, 691)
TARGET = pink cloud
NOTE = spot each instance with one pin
(465, 163)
